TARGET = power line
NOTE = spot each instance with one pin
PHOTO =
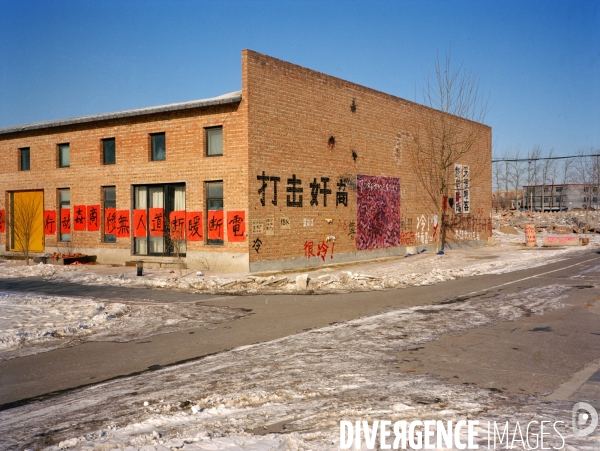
(544, 158)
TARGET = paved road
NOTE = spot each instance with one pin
(275, 316)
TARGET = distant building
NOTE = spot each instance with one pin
(560, 197)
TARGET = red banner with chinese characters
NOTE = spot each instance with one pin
(123, 227)
(215, 225)
(2, 221)
(193, 220)
(110, 221)
(156, 221)
(177, 224)
(65, 220)
(79, 218)
(140, 223)
(49, 222)
(236, 225)
(93, 218)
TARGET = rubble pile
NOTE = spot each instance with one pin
(557, 223)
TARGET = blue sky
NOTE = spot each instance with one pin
(539, 61)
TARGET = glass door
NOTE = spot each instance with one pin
(153, 205)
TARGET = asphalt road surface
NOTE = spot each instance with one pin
(555, 352)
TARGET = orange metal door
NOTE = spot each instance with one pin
(27, 221)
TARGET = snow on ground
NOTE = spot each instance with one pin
(423, 269)
(286, 394)
(290, 393)
(32, 323)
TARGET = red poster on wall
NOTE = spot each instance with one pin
(458, 202)
(93, 218)
(140, 223)
(65, 220)
(110, 221)
(156, 221)
(49, 222)
(215, 225)
(123, 227)
(79, 218)
(193, 220)
(236, 225)
(2, 221)
(177, 224)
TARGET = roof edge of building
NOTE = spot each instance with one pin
(232, 97)
(367, 88)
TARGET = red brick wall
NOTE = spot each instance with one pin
(293, 112)
(186, 161)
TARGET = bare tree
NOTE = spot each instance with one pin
(506, 196)
(446, 138)
(584, 172)
(508, 172)
(547, 168)
(565, 177)
(499, 177)
(175, 244)
(178, 243)
(25, 221)
(595, 166)
(532, 174)
(516, 173)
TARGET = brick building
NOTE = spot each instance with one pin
(297, 169)
(558, 197)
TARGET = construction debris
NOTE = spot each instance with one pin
(557, 223)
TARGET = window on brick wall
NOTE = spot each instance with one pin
(64, 155)
(214, 204)
(64, 203)
(24, 156)
(109, 201)
(214, 141)
(158, 147)
(108, 151)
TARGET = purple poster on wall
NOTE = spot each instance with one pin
(378, 212)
